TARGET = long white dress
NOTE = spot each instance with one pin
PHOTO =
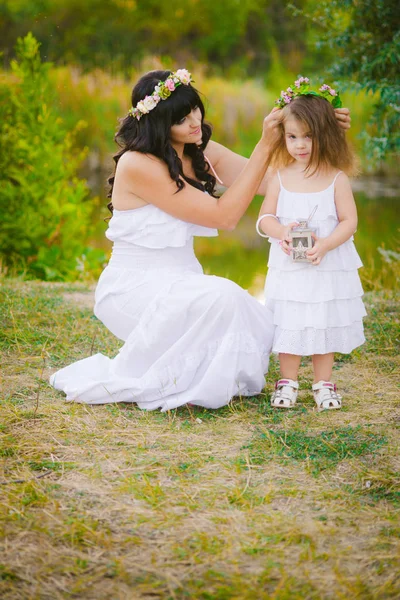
(189, 337)
(316, 309)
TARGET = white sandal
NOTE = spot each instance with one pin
(325, 396)
(285, 394)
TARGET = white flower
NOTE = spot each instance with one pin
(141, 107)
(183, 75)
(149, 103)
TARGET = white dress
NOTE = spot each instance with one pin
(189, 337)
(317, 309)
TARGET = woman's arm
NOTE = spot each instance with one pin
(347, 215)
(228, 165)
(150, 180)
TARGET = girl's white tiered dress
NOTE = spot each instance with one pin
(189, 337)
(316, 309)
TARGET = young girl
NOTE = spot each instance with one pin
(317, 306)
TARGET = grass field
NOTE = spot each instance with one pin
(110, 502)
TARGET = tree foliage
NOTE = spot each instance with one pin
(363, 40)
(119, 33)
(44, 216)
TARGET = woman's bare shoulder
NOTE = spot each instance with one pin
(139, 178)
(138, 162)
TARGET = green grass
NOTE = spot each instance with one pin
(245, 502)
(319, 451)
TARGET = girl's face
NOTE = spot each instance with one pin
(298, 140)
(188, 130)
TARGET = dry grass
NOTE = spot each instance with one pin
(111, 502)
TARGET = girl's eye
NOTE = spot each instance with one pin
(181, 121)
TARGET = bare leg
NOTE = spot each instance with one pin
(289, 365)
(322, 365)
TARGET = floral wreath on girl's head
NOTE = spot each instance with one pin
(301, 87)
(162, 91)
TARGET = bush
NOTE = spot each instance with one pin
(45, 211)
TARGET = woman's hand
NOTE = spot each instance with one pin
(343, 117)
(318, 251)
(270, 126)
(285, 238)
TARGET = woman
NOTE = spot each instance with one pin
(189, 337)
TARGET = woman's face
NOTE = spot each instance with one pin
(188, 130)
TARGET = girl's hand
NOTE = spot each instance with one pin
(343, 117)
(318, 251)
(271, 124)
(285, 237)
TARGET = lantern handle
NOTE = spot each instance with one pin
(312, 213)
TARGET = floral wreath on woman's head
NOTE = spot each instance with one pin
(301, 87)
(162, 91)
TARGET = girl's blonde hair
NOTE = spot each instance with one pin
(329, 145)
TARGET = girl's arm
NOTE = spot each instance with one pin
(270, 225)
(150, 180)
(347, 215)
(228, 165)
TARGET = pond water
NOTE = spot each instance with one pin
(242, 255)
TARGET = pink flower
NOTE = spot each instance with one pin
(183, 76)
(301, 80)
(170, 85)
(332, 92)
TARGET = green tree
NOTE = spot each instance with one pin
(362, 39)
(117, 34)
(44, 213)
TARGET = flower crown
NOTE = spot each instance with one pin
(301, 87)
(162, 91)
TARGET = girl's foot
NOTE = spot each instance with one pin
(325, 395)
(285, 394)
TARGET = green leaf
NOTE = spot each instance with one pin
(336, 102)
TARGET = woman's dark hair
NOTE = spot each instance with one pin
(329, 144)
(151, 134)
